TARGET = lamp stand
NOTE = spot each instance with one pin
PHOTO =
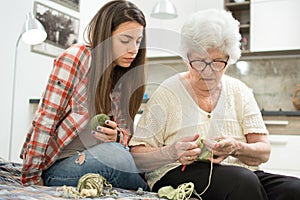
(13, 99)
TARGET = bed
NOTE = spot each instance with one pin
(12, 189)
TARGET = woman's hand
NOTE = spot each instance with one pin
(186, 149)
(225, 146)
(107, 134)
(253, 152)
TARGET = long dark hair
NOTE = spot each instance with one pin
(102, 75)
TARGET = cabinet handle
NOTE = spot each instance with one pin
(263, 1)
(276, 122)
(278, 142)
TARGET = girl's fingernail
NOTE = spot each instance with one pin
(106, 122)
(98, 128)
(93, 132)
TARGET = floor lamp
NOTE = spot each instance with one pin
(33, 32)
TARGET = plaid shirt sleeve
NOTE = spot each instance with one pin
(67, 72)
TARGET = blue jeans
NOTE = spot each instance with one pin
(111, 160)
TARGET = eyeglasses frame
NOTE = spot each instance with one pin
(209, 64)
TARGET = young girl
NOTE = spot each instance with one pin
(105, 75)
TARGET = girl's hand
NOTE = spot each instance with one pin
(106, 134)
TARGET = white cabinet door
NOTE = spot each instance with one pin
(275, 25)
(284, 157)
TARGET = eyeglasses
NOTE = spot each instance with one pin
(200, 65)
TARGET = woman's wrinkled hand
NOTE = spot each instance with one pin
(225, 146)
(107, 134)
(186, 150)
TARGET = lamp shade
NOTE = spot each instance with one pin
(164, 9)
(33, 31)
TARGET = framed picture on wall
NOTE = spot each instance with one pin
(73, 4)
(62, 30)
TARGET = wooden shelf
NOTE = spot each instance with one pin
(244, 26)
(241, 12)
(238, 6)
(245, 52)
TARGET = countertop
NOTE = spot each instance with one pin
(279, 113)
(263, 112)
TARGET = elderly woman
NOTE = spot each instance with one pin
(204, 104)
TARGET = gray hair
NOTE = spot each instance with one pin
(212, 29)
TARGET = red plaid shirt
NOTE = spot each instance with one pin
(61, 114)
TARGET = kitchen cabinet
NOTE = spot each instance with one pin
(285, 140)
(284, 157)
(241, 11)
(283, 125)
(274, 25)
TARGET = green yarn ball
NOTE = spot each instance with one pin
(94, 181)
(99, 120)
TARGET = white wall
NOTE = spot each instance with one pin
(12, 18)
(31, 74)
(33, 69)
(165, 34)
